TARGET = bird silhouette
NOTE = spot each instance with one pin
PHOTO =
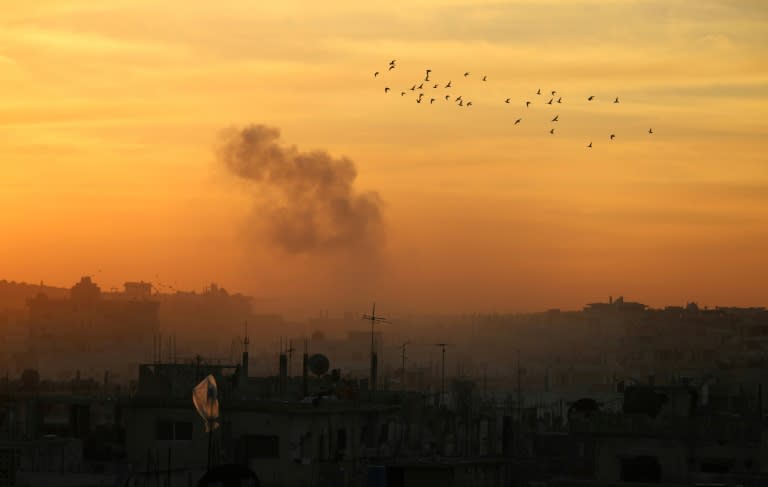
(426, 78)
(434, 86)
(616, 100)
(466, 74)
(590, 97)
(555, 119)
(613, 136)
(420, 87)
(448, 85)
(517, 121)
(461, 103)
(550, 101)
(402, 93)
(560, 100)
(392, 61)
(485, 78)
(538, 92)
(553, 92)
(413, 87)
(552, 131)
(375, 74)
(527, 103)
(391, 67)
(650, 131)
(458, 98)
(590, 145)
(506, 101)
(431, 101)
(418, 100)
(420, 95)
(386, 89)
(447, 96)
(469, 103)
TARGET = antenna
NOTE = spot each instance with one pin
(290, 355)
(442, 382)
(375, 320)
(245, 340)
(405, 344)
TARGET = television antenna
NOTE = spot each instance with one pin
(442, 380)
(375, 320)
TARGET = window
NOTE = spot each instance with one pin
(166, 430)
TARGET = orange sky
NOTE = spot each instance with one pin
(109, 112)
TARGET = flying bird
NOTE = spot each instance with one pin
(552, 131)
(553, 92)
(420, 87)
(421, 95)
(435, 86)
(485, 78)
(469, 103)
(517, 121)
(527, 103)
(539, 91)
(402, 93)
(386, 89)
(461, 103)
(392, 62)
(426, 78)
(589, 146)
(391, 67)
(466, 74)
(413, 87)
(560, 100)
(418, 100)
(550, 101)
(458, 98)
(590, 98)
(650, 131)
(555, 119)
(506, 101)
(431, 101)
(448, 85)
(375, 74)
(613, 136)
(616, 100)
(447, 96)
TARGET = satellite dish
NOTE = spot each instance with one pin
(318, 364)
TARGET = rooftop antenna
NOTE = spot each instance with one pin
(290, 355)
(405, 344)
(442, 380)
(375, 320)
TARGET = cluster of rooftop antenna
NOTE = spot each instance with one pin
(423, 86)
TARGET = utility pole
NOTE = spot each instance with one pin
(374, 370)
(442, 379)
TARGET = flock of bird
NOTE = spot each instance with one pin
(426, 84)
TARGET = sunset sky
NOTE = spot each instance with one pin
(110, 113)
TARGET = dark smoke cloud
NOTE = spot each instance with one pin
(306, 200)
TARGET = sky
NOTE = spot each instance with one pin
(111, 114)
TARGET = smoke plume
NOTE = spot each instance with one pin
(305, 200)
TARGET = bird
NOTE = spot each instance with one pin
(448, 85)
(431, 101)
(590, 98)
(589, 146)
(553, 92)
(435, 86)
(466, 74)
(461, 103)
(458, 98)
(447, 96)
(539, 91)
(485, 78)
(552, 131)
(426, 78)
(555, 119)
(616, 100)
(560, 100)
(469, 103)
(392, 62)
(420, 87)
(391, 67)
(613, 136)
(386, 89)
(650, 131)
(413, 87)
(517, 121)
(418, 100)
(506, 101)
(550, 101)
(527, 103)
(420, 95)
(402, 93)
(375, 74)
